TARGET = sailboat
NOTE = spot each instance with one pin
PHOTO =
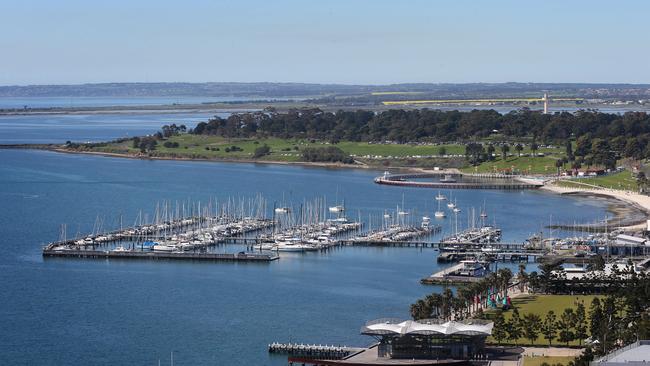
(440, 197)
(456, 209)
(483, 213)
(439, 214)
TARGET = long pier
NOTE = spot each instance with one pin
(487, 182)
(312, 351)
(215, 257)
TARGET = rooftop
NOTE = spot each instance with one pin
(383, 327)
(634, 354)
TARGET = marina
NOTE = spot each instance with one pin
(159, 290)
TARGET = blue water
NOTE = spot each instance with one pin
(64, 312)
(45, 129)
(74, 102)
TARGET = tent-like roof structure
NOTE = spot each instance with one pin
(386, 327)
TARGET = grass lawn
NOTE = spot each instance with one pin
(542, 304)
(621, 180)
(210, 147)
(214, 147)
(538, 360)
(523, 164)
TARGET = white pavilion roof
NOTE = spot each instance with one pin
(411, 327)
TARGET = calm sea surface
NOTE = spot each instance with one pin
(75, 102)
(95, 312)
(46, 129)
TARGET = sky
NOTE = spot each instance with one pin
(327, 41)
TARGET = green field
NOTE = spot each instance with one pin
(542, 304)
(522, 165)
(214, 147)
(539, 360)
(622, 180)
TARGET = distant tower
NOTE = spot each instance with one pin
(545, 103)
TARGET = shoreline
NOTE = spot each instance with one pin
(630, 210)
(55, 148)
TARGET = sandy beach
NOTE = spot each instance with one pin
(631, 214)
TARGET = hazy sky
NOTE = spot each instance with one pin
(328, 41)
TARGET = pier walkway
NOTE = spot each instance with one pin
(488, 181)
(216, 257)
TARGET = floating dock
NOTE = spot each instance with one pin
(214, 257)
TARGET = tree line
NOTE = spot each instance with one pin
(596, 133)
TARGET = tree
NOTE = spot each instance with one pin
(261, 151)
(569, 151)
(490, 152)
(442, 151)
(474, 152)
(596, 319)
(580, 324)
(519, 148)
(549, 327)
(504, 150)
(514, 326)
(499, 331)
(565, 325)
(559, 163)
(136, 142)
(534, 147)
(531, 326)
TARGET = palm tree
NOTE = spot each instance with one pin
(504, 150)
(504, 277)
(523, 277)
(519, 148)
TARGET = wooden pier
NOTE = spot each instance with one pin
(194, 256)
(312, 351)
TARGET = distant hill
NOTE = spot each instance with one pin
(222, 89)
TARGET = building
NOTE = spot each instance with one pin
(429, 339)
(636, 354)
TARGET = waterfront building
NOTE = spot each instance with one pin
(429, 338)
(636, 354)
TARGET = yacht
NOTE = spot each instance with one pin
(120, 249)
(439, 214)
(290, 246)
(164, 248)
(337, 209)
(440, 197)
(282, 210)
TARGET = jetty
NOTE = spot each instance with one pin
(193, 256)
(449, 181)
(448, 276)
(313, 351)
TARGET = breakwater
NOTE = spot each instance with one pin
(454, 181)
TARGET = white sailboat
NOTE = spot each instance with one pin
(440, 197)
(483, 213)
(439, 214)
